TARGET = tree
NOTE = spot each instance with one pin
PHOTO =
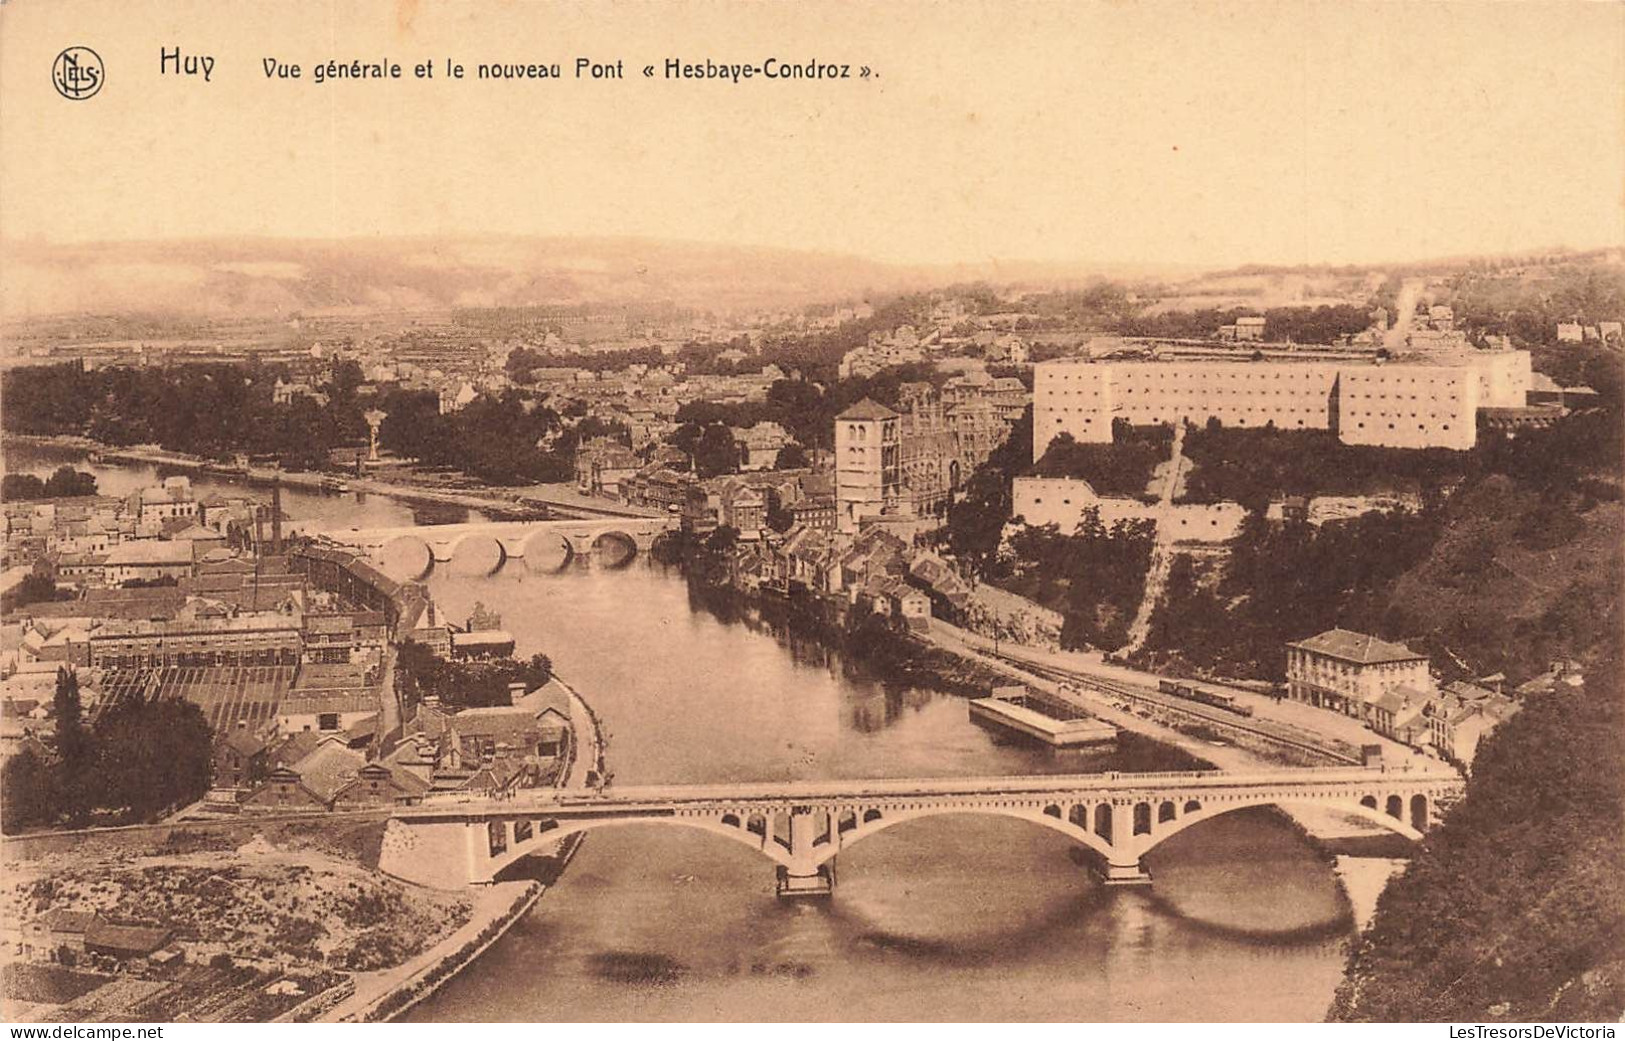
(716, 452)
(791, 457)
(1538, 937)
(35, 588)
(30, 796)
(73, 746)
(152, 756)
(68, 483)
(976, 523)
(722, 539)
(21, 487)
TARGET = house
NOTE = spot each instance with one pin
(602, 464)
(60, 929)
(1459, 722)
(153, 505)
(814, 511)
(1569, 332)
(239, 759)
(330, 712)
(760, 445)
(742, 508)
(911, 605)
(1397, 714)
(147, 560)
(380, 784)
(487, 643)
(1345, 671)
(329, 699)
(284, 791)
(1250, 328)
(311, 783)
(481, 734)
(126, 943)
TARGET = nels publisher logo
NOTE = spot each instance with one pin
(78, 73)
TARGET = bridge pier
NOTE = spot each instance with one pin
(1126, 874)
(1123, 867)
(805, 877)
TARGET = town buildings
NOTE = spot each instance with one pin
(1343, 670)
(1428, 402)
(868, 462)
(1391, 689)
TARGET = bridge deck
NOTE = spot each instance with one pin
(442, 532)
(672, 796)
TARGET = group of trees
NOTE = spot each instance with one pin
(207, 410)
(1529, 310)
(1285, 582)
(1121, 466)
(1253, 465)
(505, 439)
(1094, 576)
(1514, 908)
(465, 684)
(804, 409)
(1324, 324)
(1519, 564)
(522, 362)
(65, 483)
(139, 760)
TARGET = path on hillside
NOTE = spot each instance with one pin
(1162, 549)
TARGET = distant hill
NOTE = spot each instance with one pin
(281, 278)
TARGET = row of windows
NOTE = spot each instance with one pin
(1351, 396)
(1419, 426)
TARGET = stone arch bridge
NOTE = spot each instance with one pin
(801, 827)
(412, 551)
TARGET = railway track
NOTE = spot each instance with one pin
(1145, 696)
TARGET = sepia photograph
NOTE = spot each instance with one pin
(727, 512)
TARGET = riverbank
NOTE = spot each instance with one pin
(383, 996)
(523, 503)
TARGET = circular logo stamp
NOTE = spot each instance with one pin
(78, 73)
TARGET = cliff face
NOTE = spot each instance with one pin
(1519, 576)
(1515, 909)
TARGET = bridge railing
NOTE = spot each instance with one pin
(928, 787)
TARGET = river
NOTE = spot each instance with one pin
(953, 918)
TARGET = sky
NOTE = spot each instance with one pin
(1168, 133)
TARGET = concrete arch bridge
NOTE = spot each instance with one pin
(413, 551)
(802, 827)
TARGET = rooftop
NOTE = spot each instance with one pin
(150, 552)
(1358, 648)
(868, 408)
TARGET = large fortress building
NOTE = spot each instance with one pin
(1423, 402)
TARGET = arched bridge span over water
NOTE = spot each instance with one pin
(413, 551)
(802, 827)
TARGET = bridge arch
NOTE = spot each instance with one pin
(614, 548)
(405, 558)
(474, 553)
(547, 551)
(517, 851)
(1164, 832)
(1038, 814)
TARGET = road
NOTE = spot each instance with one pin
(1162, 550)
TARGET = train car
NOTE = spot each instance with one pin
(1168, 686)
(1223, 699)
